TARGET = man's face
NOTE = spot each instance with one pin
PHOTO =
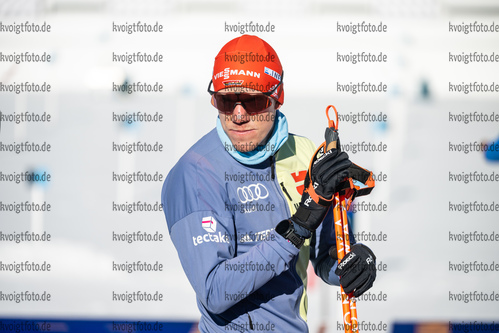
(246, 131)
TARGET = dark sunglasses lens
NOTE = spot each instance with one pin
(252, 103)
(225, 102)
(255, 102)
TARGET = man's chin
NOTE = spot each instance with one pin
(244, 147)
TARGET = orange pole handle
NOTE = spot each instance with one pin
(330, 122)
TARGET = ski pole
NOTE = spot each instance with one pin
(341, 230)
(359, 183)
(348, 302)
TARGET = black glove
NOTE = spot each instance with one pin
(327, 173)
(357, 269)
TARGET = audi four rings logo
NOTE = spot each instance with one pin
(252, 192)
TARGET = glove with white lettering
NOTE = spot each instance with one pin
(357, 269)
(327, 173)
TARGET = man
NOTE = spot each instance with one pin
(236, 208)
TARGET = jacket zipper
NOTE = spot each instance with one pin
(285, 191)
(272, 166)
(250, 323)
(276, 185)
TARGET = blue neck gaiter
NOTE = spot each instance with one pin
(261, 153)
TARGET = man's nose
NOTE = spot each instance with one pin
(239, 114)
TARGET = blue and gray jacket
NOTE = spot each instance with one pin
(221, 216)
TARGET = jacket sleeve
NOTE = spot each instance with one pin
(322, 240)
(203, 233)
